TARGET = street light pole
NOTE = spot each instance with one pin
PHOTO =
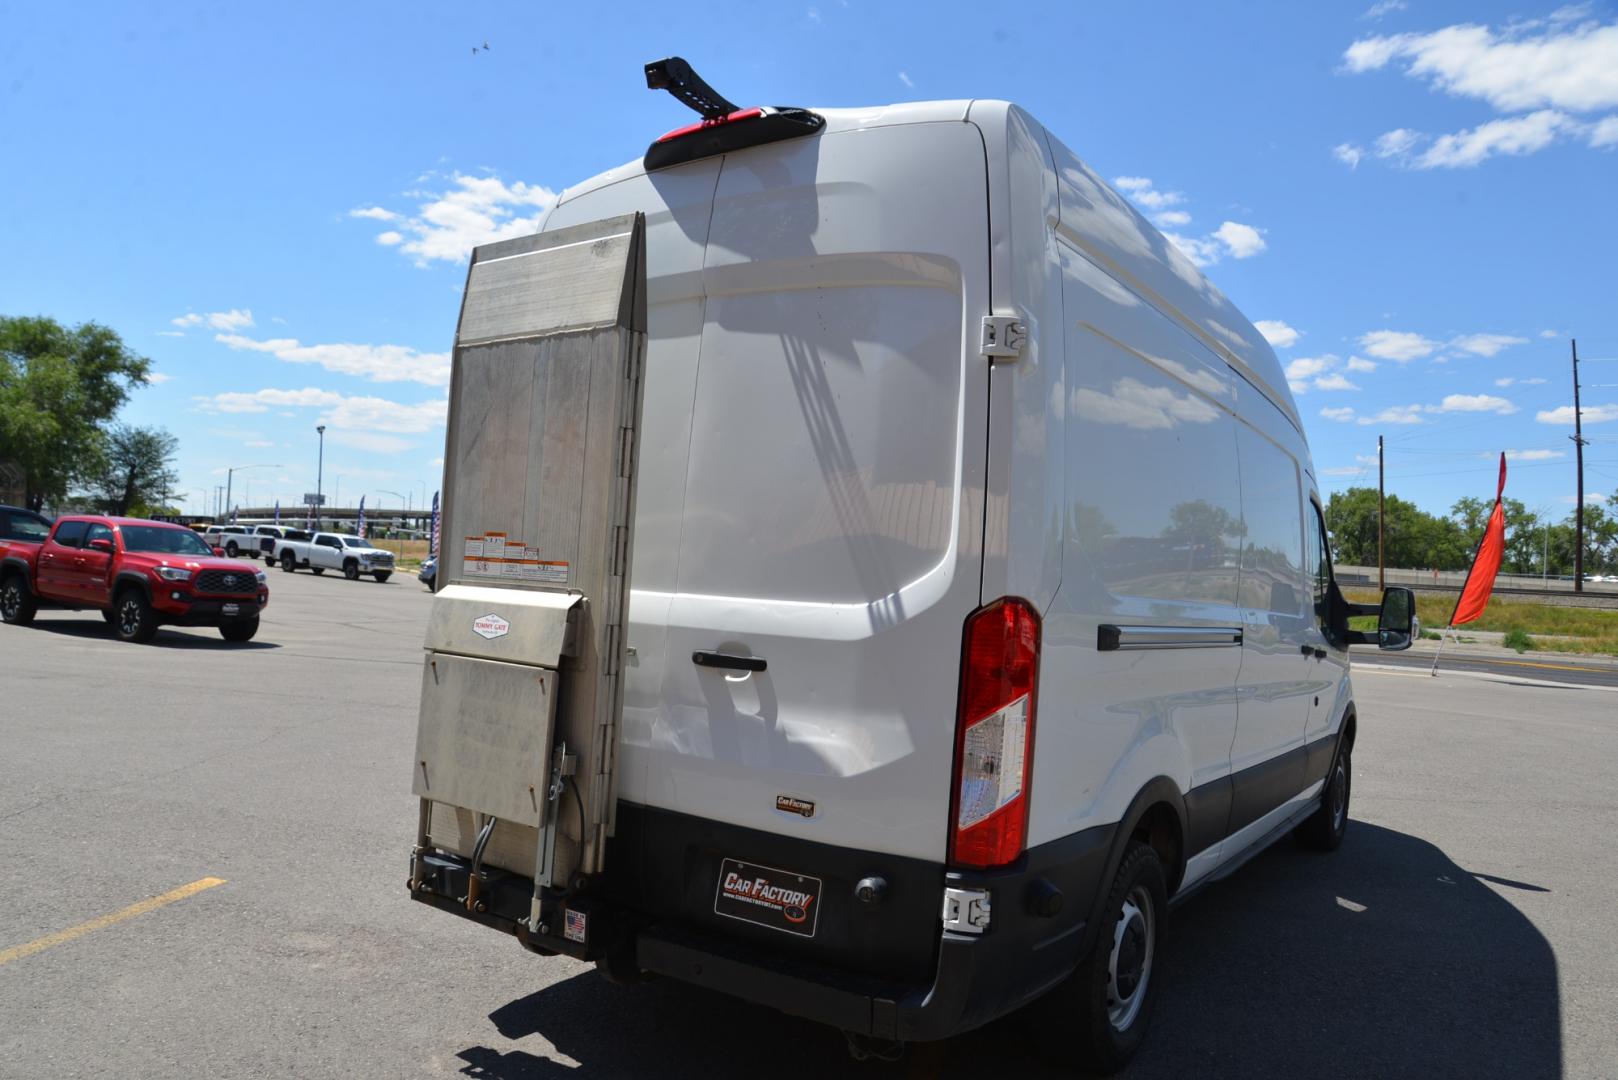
(320, 467)
(230, 476)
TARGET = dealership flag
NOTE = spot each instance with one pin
(361, 528)
(432, 533)
(233, 512)
(1485, 565)
(309, 518)
(278, 511)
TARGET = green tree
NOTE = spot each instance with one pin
(58, 385)
(134, 473)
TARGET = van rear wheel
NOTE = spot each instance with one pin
(1097, 1019)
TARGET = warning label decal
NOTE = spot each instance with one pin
(495, 555)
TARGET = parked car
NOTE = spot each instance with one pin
(139, 574)
(17, 523)
(353, 555)
(429, 571)
(234, 539)
(267, 538)
(988, 583)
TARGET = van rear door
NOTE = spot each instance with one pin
(809, 506)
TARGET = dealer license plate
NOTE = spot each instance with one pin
(231, 609)
(778, 899)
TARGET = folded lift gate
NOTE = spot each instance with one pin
(521, 691)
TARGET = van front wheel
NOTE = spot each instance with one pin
(1097, 1019)
(1324, 829)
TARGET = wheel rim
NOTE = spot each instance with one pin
(10, 600)
(1129, 966)
(129, 617)
(1339, 796)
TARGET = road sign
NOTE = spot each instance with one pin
(311, 499)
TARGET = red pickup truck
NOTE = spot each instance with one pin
(139, 574)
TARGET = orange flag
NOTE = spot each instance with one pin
(1486, 564)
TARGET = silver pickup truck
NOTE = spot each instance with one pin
(353, 555)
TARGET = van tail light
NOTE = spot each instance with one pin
(994, 735)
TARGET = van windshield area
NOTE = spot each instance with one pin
(160, 541)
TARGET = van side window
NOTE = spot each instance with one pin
(1319, 554)
(70, 534)
(1272, 519)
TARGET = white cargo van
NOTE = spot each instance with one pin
(981, 601)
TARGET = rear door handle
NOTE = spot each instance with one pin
(731, 661)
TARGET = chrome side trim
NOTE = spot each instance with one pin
(1110, 638)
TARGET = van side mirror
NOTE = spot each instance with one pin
(1395, 623)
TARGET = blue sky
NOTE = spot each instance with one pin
(274, 203)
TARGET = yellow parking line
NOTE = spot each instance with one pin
(1528, 663)
(17, 952)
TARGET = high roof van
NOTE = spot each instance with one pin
(981, 601)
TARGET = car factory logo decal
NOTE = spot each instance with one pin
(230, 580)
(789, 804)
(778, 899)
(490, 626)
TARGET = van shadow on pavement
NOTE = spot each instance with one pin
(1384, 959)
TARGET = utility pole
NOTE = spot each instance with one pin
(1578, 450)
(1381, 495)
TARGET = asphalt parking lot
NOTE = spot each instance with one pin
(262, 792)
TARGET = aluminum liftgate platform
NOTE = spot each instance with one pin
(521, 691)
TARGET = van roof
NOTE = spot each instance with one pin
(1111, 231)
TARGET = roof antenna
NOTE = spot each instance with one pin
(675, 75)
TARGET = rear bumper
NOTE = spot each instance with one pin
(654, 912)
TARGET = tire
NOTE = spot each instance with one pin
(239, 631)
(1325, 828)
(253, 555)
(231, 550)
(318, 570)
(1086, 1023)
(17, 605)
(133, 620)
(382, 576)
(288, 563)
(109, 615)
(351, 570)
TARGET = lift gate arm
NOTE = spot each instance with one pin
(521, 685)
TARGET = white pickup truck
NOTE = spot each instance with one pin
(353, 555)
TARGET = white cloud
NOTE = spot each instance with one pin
(1397, 143)
(1242, 241)
(1473, 403)
(1514, 135)
(1202, 253)
(1343, 470)
(1334, 381)
(375, 213)
(1394, 414)
(1593, 414)
(158, 377)
(260, 444)
(1342, 415)
(1384, 7)
(1348, 154)
(1604, 132)
(1549, 334)
(171, 333)
(234, 319)
(379, 363)
(1171, 218)
(370, 440)
(341, 411)
(904, 78)
(1359, 363)
(192, 319)
(1486, 344)
(1569, 66)
(475, 210)
(1142, 192)
(1589, 497)
(1306, 367)
(1397, 345)
(1278, 333)
(1533, 455)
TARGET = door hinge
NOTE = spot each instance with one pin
(1003, 335)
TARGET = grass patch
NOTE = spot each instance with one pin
(1548, 628)
(1518, 639)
